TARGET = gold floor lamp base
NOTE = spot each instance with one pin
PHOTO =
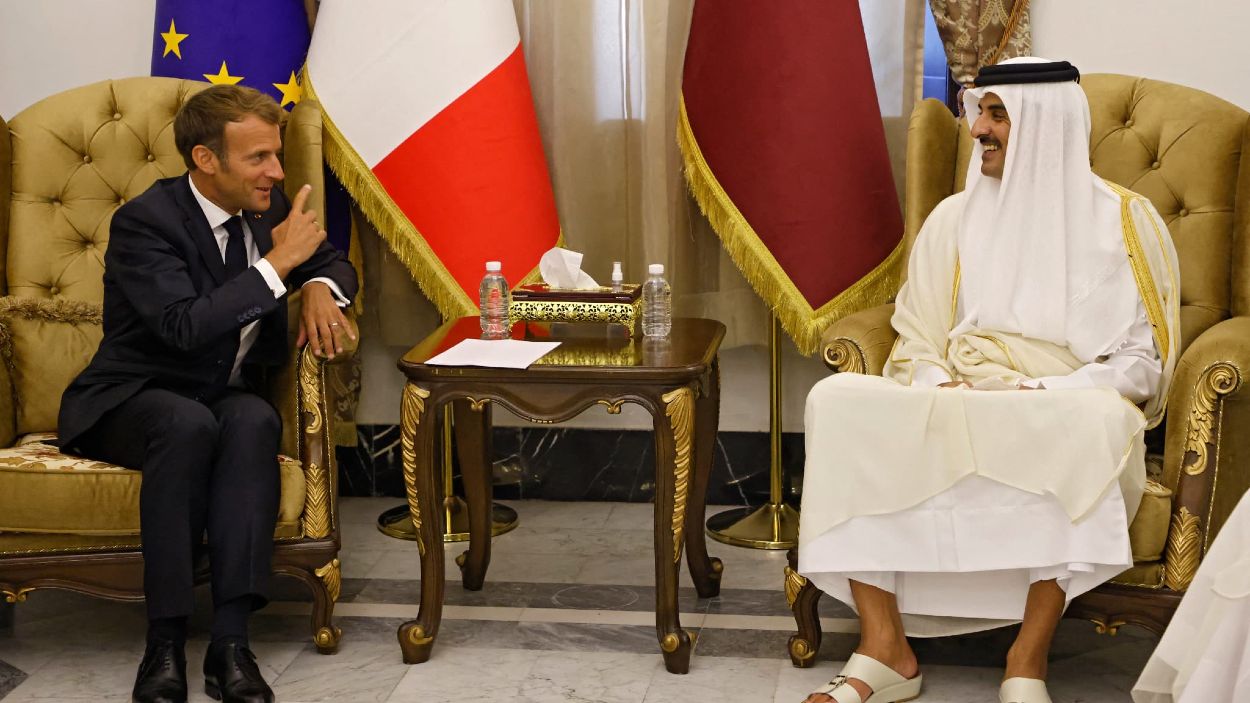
(397, 522)
(770, 526)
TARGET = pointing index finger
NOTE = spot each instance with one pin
(300, 198)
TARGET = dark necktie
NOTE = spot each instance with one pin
(236, 248)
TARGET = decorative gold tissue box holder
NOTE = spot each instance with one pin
(539, 303)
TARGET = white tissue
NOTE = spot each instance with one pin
(561, 268)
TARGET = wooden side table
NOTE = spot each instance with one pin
(677, 379)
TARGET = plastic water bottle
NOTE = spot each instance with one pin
(493, 295)
(657, 304)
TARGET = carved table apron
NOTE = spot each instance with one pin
(676, 379)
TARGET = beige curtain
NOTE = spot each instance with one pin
(606, 75)
(606, 78)
(978, 33)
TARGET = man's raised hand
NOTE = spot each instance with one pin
(297, 238)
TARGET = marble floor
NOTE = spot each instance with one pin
(566, 615)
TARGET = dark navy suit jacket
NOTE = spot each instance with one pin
(171, 317)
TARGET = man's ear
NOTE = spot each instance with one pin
(205, 160)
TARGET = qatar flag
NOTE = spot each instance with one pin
(785, 153)
(430, 125)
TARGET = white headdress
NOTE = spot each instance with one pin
(1042, 251)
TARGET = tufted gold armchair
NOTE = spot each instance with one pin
(1188, 152)
(66, 164)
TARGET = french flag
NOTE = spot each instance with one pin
(432, 128)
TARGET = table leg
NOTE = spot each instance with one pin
(425, 503)
(473, 447)
(674, 431)
(705, 571)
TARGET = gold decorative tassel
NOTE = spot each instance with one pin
(769, 280)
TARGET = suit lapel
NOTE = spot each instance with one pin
(200, 232)
(262, 233)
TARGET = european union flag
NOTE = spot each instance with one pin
(259, 43)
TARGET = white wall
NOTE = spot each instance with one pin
(41, 53)
(1200, 43)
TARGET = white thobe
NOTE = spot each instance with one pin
(962, 558)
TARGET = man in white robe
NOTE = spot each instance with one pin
(936, 507)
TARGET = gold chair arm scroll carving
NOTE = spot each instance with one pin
(860, 343)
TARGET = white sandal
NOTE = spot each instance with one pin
(1021, 690)
(888, 686)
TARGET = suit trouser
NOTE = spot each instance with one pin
(206, 466)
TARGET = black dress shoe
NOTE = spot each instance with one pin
(162, 674)
(231, 674)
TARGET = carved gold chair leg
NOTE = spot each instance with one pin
(324, 583)
(325, 635)
(804, 599)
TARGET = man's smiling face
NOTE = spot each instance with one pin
(992, 128)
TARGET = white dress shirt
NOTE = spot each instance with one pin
(217, 219)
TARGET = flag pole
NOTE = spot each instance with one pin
(774, 525)
(397, 522)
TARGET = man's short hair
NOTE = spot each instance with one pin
(203, 118)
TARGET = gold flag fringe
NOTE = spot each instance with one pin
(769, 280)
(431, 276)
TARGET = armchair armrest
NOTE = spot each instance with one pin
(861, 342)
(301, 395)
(1207, 439)
(302, 155)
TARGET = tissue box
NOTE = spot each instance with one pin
(538, 302)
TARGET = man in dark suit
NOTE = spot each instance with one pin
(195, 284)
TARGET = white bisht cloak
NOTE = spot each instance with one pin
(956, 500)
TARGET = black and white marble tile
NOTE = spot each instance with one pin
(534, 639)
(10, 678)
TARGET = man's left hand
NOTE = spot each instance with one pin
(322, 322)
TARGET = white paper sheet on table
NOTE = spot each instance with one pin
(493, 353)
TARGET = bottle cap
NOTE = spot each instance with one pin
(617, 274)
(493, 266)
(656, 269)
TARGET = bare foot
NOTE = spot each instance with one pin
(899, 658)
(1025, 665)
